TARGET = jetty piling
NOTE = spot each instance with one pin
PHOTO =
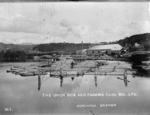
(39, 82)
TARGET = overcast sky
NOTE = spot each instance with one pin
(72, 22)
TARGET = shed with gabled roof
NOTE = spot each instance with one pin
(101, 49)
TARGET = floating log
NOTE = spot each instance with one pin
(15, 71)
(32, 73)
(45, 65)
(66, 74)
(27, 74)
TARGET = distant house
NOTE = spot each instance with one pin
(36, 58)
(81, 52)
(99, 50)
(136, 45)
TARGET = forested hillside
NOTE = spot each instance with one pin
(142, 40)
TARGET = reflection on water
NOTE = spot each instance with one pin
(95, 80)
(124, 79)
(24, 96)
(61, 80)
(39, 82)
(72, 78)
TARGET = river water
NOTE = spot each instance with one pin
(86, 94)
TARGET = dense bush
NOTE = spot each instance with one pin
(12, 56)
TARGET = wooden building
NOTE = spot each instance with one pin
(108, 49)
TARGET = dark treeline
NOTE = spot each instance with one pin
(12, 56)
(68, 47)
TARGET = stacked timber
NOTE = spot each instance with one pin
(26, 71)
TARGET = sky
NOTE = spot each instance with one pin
(73, 22)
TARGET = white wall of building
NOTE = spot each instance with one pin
(98, 52)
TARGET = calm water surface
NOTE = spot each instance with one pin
(21, 94)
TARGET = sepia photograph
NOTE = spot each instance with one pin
(74, 58)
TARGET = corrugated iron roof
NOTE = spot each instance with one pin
(106, 47)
